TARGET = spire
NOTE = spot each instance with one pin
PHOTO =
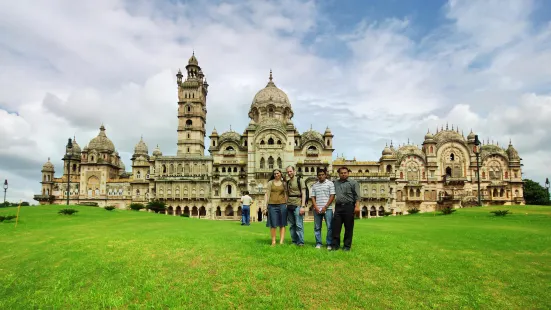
(446, 125)
(230, 128)
(452, 126)
(510, 143)
(270, 80)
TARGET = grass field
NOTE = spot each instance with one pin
(126, 259)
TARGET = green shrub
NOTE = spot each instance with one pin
(447, 210)
(136, 206)
(67, 211)
(156, 206)
(109, 208)
(184, 215)
(7, 218)
(500, 212)
(387, 213)
(413, 211)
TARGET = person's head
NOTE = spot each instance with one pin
(322, 175)
(343, 173)
(276, 175)
(291, 172)
(245, 193)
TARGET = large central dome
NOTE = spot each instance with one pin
(271, 102)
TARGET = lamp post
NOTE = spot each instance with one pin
(477, 152)
(5, 190)
(547, 185)
(69, 154)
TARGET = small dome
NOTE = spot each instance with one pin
(214, 132)
(48, 166)
(512, 153)
(76, 147)
(429, 136)
(157, 151)
(471, 136)
(387, 151)
(192, 60)
(327, 132)
(141, 148)
(101, 143)
(271, 95)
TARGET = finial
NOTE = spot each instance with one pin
(193, 52)
(462, 133)
(510, 143)
(428, 130)
(452, 126)
(230, 128)
(391, 143)
(497, 143)
(442, 128)
(408, 141)
(48, 158)
(446, 125)
(310, 126)
(271, 77)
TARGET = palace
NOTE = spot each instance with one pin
(442, 172)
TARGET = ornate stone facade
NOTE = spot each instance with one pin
(442, 172)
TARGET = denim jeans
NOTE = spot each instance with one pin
(296, 226)
(318, 221)
(246, 215)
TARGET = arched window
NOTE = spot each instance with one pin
(401, 175)
(449, 171)
(271, 162)
(278, 142)
(360, 171)
(431, 150)
(230, 148)
(262, 142)
(213, 143)
(223, 169)
(262, 163)
(188, 108)
(312, 148)
(164, 168)
(271, 112)
(188, 136)
(279, 163)
(189, 122)
(388, 168)
(228, 189)
(327, 142)
(452, 157)
(270, 141)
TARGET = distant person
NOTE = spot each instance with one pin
(296, 204)
(246, 202)
(347, 204)
(276, 199)
(323, 194)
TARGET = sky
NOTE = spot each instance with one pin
(373, 71)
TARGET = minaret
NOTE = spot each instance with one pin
(192, 110)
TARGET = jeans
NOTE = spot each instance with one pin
(318, 221)
(246, 215)
(344, 214)
(296, 226)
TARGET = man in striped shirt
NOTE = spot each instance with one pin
(323, 194)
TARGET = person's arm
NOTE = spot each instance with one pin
(331, 196)
(357, 191)
(313, 199)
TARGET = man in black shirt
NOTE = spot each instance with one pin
(347, 203)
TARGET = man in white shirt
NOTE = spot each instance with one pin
(322, 195)
(246, 202)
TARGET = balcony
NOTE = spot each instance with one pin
(312, 152)
(192, 114)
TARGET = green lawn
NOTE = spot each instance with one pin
(127, 259)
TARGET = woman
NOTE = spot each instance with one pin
(276, 198)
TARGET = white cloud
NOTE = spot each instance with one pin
(68, 67)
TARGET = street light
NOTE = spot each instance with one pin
(5, 190)
(547, 185)
(477, 152)
(69, 155)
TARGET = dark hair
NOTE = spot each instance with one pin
(245, 192)
(272, 177)
(321, 170)
(343, 167)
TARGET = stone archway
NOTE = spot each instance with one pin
(92, 186)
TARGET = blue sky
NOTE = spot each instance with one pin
(373, 71)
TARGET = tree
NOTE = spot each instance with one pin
(535, 194)
(156, 205)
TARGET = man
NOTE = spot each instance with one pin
(347, 203)
(323, 194)
(246, 202)
(296, 204)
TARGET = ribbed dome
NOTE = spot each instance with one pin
(101, 142)
(429, 136)
(48, 166)
(214, 132)
(387, 151)
(327, 132)
(271, 96)
(311, 135)
(192, 60)
(230, 135)
(76, 148)
(141, 148)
